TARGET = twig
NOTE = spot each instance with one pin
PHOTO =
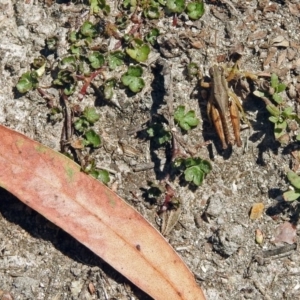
(67, 130)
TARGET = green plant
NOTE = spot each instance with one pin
(193, 169)
(88, 118)
(132, 78)
(86, 60)
(138, 50)
(185, 120)
(281, 114)
(175, 6)
(294, 194)
(159, 133)
(90, 168)
(195, 10)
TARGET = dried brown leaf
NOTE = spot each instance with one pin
(294, 9)
(53, 185)
(257, 35)
(285, 233)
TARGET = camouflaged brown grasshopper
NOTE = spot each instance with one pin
(223, 107)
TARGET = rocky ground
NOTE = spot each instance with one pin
(214, 235)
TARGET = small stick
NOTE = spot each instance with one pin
(67, 131)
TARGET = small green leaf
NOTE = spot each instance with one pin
(139, 51)
(64, 77)
(81, 124)
(205, 166)
(68, 63)
(96, 59)
(179, 113)
(88, 29)
(151, 37)
(294, 179)
(274, 81)
(115, 59)
(135, 71)
(190, 118)
(281, 87)
(75, 50)
(159, 133)
(291, 195)
(273, 119)
(273, 110)
(92, 138)
(130, 4)
(73, 36)
(97, 5)
(27, 82)
(103, 176)
(135, 84)
(69, 89)
(152, 12)
(195, 10)
(185, 121)
(277, 98)
(194, 174)
(287, 112)
(91, 115)
(281, 125)
(175, 6)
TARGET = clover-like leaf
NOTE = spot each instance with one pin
(135, 84)
(194, 174)
(151, 37)
(92, 138)
(159, 133)
(130, 4)
(115, 59)
(67, 80)
(68, 63)
(152, 12)
(97, 5)
(96, 59)
(195, 10)
(132, 79)
(81, 124)
(185, 121)
(136, 71)
(103, 176)
(175, 6)
(138, 51)
(27, 82)
(205, 166)
(91, 115)
(88, 29)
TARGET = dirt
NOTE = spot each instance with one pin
(214, 234)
